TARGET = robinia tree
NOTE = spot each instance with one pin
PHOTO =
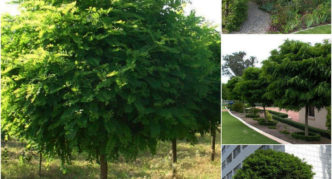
(253, 87)
(107, 78)
(300, 76)
(272, 164)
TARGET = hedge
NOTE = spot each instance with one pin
(311, 137)
(283, 115)
(298, 125)
(267, 122)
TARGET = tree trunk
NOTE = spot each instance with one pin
(306, 130)
(103, 167)
(213, 143)
(40, 162)
(174, 158)
(264, 112)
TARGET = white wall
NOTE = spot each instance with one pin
(318, 121)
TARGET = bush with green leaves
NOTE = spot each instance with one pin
(288, 16)
(311, 137)
(234, 13)
(237, 106)
(270, 164)
(108, 78)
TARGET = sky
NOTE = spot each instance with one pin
(260, 46)
(209, 9)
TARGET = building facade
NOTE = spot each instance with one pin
(319, 156)
(316, 118)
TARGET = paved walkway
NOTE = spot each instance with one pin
(294, 115)
(258, 21)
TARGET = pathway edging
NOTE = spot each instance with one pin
(258, 130)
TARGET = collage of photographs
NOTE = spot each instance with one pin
(165, 89)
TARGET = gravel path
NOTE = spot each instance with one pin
(258, 21)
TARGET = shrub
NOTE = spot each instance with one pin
(283, 115)
(308, 20)
(234, 13)
(267, 122)
(311, 137)
(252, 115)
(298, 125)
(237, 106)
(285, 132)
(272, 164)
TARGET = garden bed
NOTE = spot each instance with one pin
(278, 131)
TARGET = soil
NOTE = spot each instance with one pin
(258, 21)
(280, 127)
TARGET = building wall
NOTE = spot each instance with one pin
(319, 156)
(317, 121)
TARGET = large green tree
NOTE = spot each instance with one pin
(107, 78)
(231, 84)
(300, 76)
(270, 164)
(253, 86)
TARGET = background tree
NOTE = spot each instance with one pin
(253, 87)
(235, 64)
(273, 164)
(225, 92)
(232, 93)
(299, 75)
(107, 78)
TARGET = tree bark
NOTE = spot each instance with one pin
(213, 143)
(40, 163)
(264, 112)
(174, 158)
(103, 167)
(306, 130)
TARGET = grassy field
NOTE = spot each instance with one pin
(324, 29)
(235, 132)
(193, 162)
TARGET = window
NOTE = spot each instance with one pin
(311, 111)
(236, 151)
(229, 158)
(237, 168)
(229, 175)
(244, 146)
(223, 164)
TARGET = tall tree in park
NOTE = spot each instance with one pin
(234, 64)
(299, 75)
(272, 164)
(107, 78)
(253, 86)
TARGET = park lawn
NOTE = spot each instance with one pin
(324, 29)
(193, 162)
(235, 132)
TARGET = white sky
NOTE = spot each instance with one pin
(8, 8)
(260, 46)
(209, 9)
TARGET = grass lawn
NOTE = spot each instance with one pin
(235, 132)
(193, 162)
(324, 29)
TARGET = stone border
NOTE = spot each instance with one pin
(259, 131)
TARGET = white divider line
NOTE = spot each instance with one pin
(258, 130)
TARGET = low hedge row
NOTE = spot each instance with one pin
(311, 137)
(283, 115)
(267, 122)
(302, 126)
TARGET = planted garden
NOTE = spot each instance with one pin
(295, 76)
(108, 80)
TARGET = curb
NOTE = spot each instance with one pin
(259, 131)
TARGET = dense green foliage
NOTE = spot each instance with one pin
(234, 13)
(108, 78)
(273, 165)
(237, 106)
(231, 84)
(283, 115)
(302, 136)
(288, 16)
